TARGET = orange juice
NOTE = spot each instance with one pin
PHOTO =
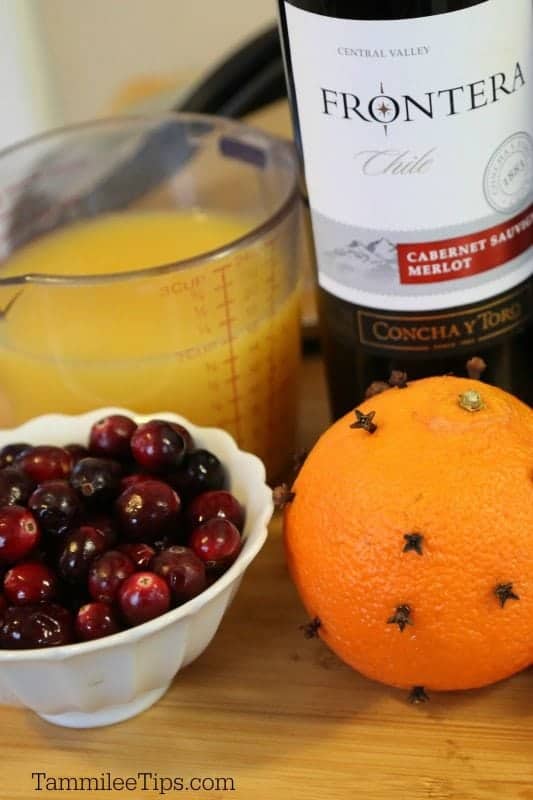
(217, 341)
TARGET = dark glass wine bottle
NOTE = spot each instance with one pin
(415, 126)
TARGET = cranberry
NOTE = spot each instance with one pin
(95, 620)
(45, 462)
(183, 571)
(77, 451)
(135, 477)
(140, 553)
(43, 625)
(55, 504)
(147, 510)
(96, 479)
(15, 487)
(107, 573)
(9, 452)
(30, 582)
(159, 446)
(104, 524)
(143, 596)
(217, 543)
(189, 441)
(110, 437)
(200, 472)
(3, 608)
(215, 504)
(19, 533)
(81, 548)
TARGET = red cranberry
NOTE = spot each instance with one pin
(55, 504)
(135, 477)
(97, 480)
(82, 546)
(189, 441)
(45, 462)
(140, 553)
(147, 510)
(217, 543)
(183, 571)
(110, 437)
(200, 472)
(30, 582)
(95, 620)
(77, 451)
(9, 452)
(104, 524)
(15, 487)
(159, 446)
(107, 573)
(143, 596)
(19, 533)
(43, 625)
(211, 505)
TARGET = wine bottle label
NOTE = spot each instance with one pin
(417, 139)
(469, 327)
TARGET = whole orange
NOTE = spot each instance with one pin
(413, 545)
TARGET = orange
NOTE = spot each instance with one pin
(413, 545)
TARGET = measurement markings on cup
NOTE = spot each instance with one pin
(227, 322)
(271, 371)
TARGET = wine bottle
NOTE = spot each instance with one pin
(414, 122)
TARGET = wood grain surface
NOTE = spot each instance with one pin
(283, 719)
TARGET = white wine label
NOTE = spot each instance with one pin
(417, 138)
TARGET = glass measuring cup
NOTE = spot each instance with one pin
(214, 336)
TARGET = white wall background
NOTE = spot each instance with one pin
(95, 46)
(27, 102)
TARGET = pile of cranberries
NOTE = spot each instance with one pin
(100, 538)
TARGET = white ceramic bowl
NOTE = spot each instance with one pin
(111, 679)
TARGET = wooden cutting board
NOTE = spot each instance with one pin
(284, 719)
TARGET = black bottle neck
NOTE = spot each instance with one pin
(383, 9)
